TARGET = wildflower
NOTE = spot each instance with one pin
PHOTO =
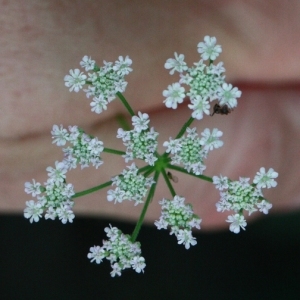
(178, 64)
(227, 95)
(174, 95)
(75, 80)
(209, 49)
(120, 251)
(265, 180)
(181, 218)
(237, 221)
(33, 211)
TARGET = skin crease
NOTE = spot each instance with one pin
(42, 40)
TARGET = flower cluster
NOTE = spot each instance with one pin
(190, 150)
(206, 82)
(54, 198)
(141, 142)
(85, 148)
(242, 196)
(129, 186)
(202, 83)
(181, 218)
(120, 251)
(103, 83)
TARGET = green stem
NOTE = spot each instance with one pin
(126, 104)
(168, 182)
(184, 127)
(113, 151)
(123, 122)
(182, 170)
(94, 189)
(143, 213)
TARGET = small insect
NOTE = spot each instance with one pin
(222, 110)
(172, 177)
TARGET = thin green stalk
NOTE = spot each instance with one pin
(168, 182)
(145, 208)
(126, 104)
(94, 189)
(182, 170)
(113, 151)
(184, 127)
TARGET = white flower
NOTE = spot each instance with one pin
(65, 214)
(173, 146)
(178, 64)
(174, 95)
(141, 122)
(116, 270)
(221, 182)
(237, 221)
(138, 264)
(75, 80)
(264, 206)
(227, 95)
(33, 211)
(96, 254)
(209, 49)
(265, 180)
(209, 141)
(33, 188)
(87, 63)
(185, 237)
(122, 65)
(199, 106)
(60, 135)
(99, 104)
(57, 175)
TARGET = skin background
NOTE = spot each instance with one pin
(42, 40)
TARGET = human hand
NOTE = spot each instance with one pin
(41, 42)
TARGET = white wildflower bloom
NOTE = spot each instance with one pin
(96, 254)
(161, 223)
(50, 213)
(174, 95)
(33, 188)
(221, 182)
(57, 174)
(116, 270)
(122, 66)
(199, 106)
(120, 251)
(211, 141)
(33, 211)
(189, 151)
(116, 195)
(65, 214)
(237, 222)
(185, 237)
(181, 218)
(129, 186)
(264, 206)
(265, 179)
(99, 104)
(75, 80)
(59, 135)
(216, 69)
(87, 63)
(138, 264)
(140, 122)
(173, 146)
(227, 95)
(140, 143)
(209, 49)
(178, 64)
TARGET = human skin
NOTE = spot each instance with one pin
(41, 40)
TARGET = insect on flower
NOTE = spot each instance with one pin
(222, 110)
(172, 177)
